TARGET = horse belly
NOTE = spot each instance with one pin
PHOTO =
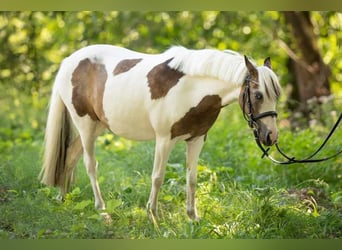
(133, 127)
(126, 113)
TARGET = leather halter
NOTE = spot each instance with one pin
(252, 122)
(248, 115)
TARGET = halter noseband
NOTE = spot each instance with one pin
(248, 115)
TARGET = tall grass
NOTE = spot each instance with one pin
(239, 194)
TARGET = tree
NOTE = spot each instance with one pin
(310, 75)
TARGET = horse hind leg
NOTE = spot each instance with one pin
(88, 134)
(73, 154)
(89, 130)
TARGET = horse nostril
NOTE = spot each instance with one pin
(268, 138)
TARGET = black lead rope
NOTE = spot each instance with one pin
(292, 160)
(252, 122)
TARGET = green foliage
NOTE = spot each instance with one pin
(34, 43)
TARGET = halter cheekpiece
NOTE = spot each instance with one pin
(248, 114)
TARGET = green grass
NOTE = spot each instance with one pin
(239, 195)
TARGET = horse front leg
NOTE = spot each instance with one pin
(162, 151)
(194, 148)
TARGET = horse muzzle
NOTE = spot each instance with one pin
(266, 136)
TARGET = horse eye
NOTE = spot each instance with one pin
(258, 96)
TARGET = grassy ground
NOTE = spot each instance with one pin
(239, 194)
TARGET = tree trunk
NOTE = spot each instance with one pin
(309, 73)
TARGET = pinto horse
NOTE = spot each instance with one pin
(169, 97)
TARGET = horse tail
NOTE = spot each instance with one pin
(58, 137)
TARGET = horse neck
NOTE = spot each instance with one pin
(231, 96)
(228, 91)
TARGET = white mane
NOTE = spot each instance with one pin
(228, 66)
(271, 82)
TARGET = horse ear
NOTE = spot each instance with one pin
(267, 62)
(251, 69)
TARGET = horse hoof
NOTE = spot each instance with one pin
(151, 213)
(106, 218)
(193, 216)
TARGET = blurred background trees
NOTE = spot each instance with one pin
(310, 74)
(304, 46)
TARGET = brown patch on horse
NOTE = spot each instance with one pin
(125, 65)
(198, 120)
(88, 80)
(162, 78)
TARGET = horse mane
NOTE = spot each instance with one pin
(271, 82)
(226, 66)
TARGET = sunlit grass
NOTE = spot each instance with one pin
(239, 195)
